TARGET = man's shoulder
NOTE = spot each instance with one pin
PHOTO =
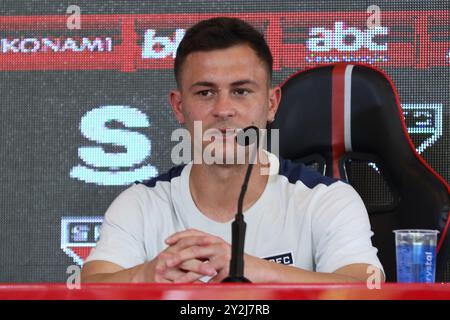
(299, 172)
(159, 188)
(167, 177)
(156, 191)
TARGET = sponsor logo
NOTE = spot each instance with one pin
(35, 45)
(79, 235)
(349, 40)
(161, 47)
(429, 264)
(345, 39)
(114, 168)
(424, 123)
(284, 258)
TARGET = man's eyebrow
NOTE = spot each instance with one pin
(243, 82)
(202, 84)
(233, 84)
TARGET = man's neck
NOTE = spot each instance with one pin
(215, 188)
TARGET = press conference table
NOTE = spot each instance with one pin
(388, 291)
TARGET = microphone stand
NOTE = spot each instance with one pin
(238, 228)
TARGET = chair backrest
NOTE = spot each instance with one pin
(346, 121)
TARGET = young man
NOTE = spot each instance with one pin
(301, 226)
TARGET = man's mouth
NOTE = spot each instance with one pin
(228, 134)
(228, 131)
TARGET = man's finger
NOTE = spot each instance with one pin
(196, 252)
(164, 274)
(190, 241)
(171, 274)
(220, 263)
(188, 278)
(199, 267)
(182, 234)
(219, 277)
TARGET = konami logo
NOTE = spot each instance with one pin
(161, 47)
(345, 39)
(56, 44)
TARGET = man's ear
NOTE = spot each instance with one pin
(176, 104)
(274, 102)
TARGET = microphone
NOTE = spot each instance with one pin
(245, 137)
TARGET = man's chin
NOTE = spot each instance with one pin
(233, 159)
(226, 153)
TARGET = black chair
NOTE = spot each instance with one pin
(345, 120)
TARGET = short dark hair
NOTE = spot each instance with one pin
(221, 33)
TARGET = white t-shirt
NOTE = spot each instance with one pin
(302, 218)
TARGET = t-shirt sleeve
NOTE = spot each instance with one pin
(121, 234)
(341, 230)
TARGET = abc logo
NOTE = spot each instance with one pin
(345, 39)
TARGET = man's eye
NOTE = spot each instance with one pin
(205, 93)
(241, 92)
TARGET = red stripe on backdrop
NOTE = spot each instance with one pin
(337, 117)
(413, 36)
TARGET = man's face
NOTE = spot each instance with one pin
(225, 89)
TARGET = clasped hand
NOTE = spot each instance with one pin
(190, 256)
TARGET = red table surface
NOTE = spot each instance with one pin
(388, 291)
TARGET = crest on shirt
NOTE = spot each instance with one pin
(79, 235)
(282, 258)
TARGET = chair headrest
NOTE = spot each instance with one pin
(335, 109)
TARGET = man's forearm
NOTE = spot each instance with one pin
(292, 274)
(122, 276)
(279, 273)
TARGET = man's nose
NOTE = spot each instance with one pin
(223, 107)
